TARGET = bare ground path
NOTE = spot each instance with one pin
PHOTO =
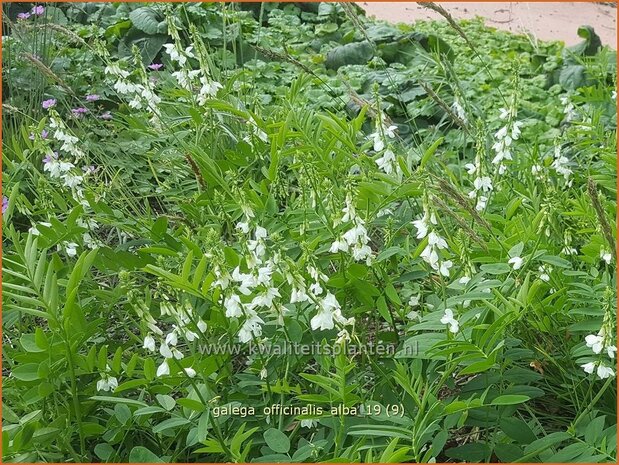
(546, 21)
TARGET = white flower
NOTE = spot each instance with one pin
(329, 309)
(315, 288)
(263, 373)
(233, 306)
(201, 326)
(422, 228)
(430, 256)
(471, 168)
(178, 55)
(606, 256)
(362, 252)
(70, 248)
(251, 327)
(390, 131)
(379, 144)
(605, 372)
(190, 335)
(588, 367)
(264, 275)
(484, 183)
(266, 298)
(414, 300)
(171, 338)
(436, 240)
(413, 315)
(611, 350)
(464, 280)
(323, 320)
(339, 245)
(244, 227)
(567, 250)
(444, 268)
(165, 351)
(595, 342)
(504, 113)
(535, 169)
(57, 168)
(308, 423)
(260, 233)
(448, 319)
(386, 162)
(190, 372)
(459, 111)
(163, 369)
(516, 130)
(516, 262)
(107, 383)
(247, 281)
(481, 203)
(544, 276)
(149, 343)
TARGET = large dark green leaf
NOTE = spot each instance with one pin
(357, 53)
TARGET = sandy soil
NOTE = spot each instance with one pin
(546, 21)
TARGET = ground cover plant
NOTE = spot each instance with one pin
(288, 233)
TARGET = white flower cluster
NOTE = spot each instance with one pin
(257, 283)
(186, 77)
(62, 169)
(459, 111)
(388, 161)
(142, 95)
(168, 347)
(355, 239)
(569, 110)
(600, 342)
(504, 138)
(107, 383)
(435, 243)
(561, 165)
(255, 290)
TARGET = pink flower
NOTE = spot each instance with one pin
(155, 66)
(5, 204)
(106, 115)
(38, 10)
(47, 104)
(92, 98)
(23, 16)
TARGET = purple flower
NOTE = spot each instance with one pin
(106, 115)
(5, 204)
(92, 98)
(48, 158)
(79, 112)
(38, 10)
(47, 104)
(155, 66)
(23, 15)
(44, 135)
